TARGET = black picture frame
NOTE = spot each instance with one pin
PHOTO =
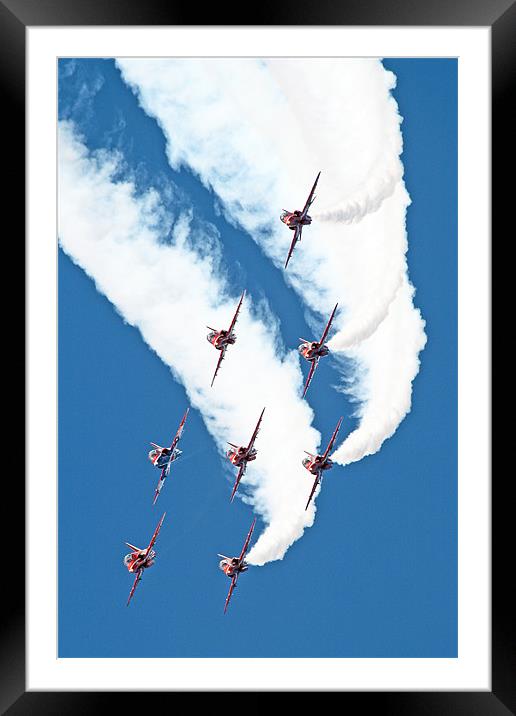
(500, 15)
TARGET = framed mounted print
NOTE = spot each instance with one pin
(258, 357)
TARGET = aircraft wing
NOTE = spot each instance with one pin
(297, 237)
(325, 332)
(135, 584)
(246, 543)
(257, 428)
(333, 438)
(239, 476)
(233, 585)
(236, 313)
(310, 199)
(161, 482)
(155, 535)
(316, 482)
(221, 358)
(311, 372)
(179, 430)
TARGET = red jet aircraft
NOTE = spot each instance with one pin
(241, 455)
(163, 457)
(140, 559)
(317, 463)
(233, 566)
(295, 220)
(314, 350)
(222, 339)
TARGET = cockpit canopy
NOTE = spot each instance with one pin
(306, 461)
(127, 559)
(153, 454)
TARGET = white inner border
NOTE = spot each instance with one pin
(471, 670)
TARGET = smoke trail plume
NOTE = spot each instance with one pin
(115, 236)
(390, 360)
(257, 140)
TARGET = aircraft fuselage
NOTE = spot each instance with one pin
(313, 350)
(293, 219)
(136, 560)
(161, 457)
(231, 566)
(219, 339)
(239, 455)
(315, 464)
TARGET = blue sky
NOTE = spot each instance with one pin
(376, 574)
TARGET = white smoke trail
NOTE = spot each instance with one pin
(390, 357)
(366, 200)
(345, 105)
(169, 292)
(257, 132)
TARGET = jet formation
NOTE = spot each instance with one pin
(138, 560)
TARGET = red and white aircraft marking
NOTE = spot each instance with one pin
(316, 464)
(313, 351)
(140, 559)
(240, 455)
(234, 566)
(222, 339)
(163, 457)
(295, 220)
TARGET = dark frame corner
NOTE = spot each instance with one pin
(500, 15)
